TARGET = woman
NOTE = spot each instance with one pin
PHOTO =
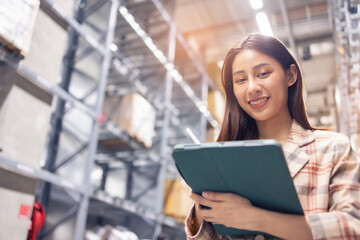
(263, 87)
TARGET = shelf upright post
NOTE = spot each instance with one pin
(44, 188)
(84, 201)
(164, 154)
(346, 35)
(204, 96)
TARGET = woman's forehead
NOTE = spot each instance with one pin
(251, 59)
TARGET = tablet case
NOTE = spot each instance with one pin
(254, 169)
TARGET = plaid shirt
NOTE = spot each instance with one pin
(326, 174)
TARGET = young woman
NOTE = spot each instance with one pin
(264, 100)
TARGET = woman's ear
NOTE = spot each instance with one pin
(292, 75)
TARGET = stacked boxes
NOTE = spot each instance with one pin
(16, 23)
(17, 199)
(177, 202)
(134, 114)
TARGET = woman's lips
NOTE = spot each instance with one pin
(259, 102)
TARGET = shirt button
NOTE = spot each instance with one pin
(259, 237)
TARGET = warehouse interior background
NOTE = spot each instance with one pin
(94, 94)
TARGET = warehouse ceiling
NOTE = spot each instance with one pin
(216, 25)
(212, 27)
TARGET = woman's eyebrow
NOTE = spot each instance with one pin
(255, 67)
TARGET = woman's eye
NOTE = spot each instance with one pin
(263, 74)
(240, 80)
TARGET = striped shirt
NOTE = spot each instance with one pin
(326, 174)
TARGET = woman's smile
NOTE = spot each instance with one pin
(259, 102)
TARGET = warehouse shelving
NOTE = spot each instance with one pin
(347, 38)
(136, 209)
(24, 169)
(173, 105)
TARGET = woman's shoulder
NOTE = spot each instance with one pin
(328, 135)
(330, 141)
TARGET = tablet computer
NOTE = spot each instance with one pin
(254, 169)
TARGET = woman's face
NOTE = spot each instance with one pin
(260, 85)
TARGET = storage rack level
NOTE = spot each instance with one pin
(170, 110)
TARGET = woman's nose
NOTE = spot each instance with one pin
(253, 87)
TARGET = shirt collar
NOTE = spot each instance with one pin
(299, 135)
(296, 156)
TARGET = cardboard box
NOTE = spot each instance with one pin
(177, 202)
(16, 204)
(216, 105)
(134, 114)
(17, 20)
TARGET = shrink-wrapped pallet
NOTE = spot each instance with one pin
(17, 18)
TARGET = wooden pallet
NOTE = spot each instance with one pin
(11, 47)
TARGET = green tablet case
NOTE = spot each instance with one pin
(254, 169)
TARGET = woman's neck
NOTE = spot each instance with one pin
(276, 129)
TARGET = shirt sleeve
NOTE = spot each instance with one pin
(342, 221)
(206, 231)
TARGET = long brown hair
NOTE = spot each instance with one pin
(237, 124)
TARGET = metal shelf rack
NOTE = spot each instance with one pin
(141, 50)
(346, 17)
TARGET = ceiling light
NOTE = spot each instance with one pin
(214, 123)
(263, 24)
(256, 4)
(113, 47)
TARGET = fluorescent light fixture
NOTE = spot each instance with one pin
(188, 91)
(176, 75)
(214, 123)
(158, 53)
(113, 47)
(264, 24)
(198, 103)
(129, 18)
(140, 32)
(220, 64)
(256, 4)
(192, 136)
(162, 58)
(123, 10)
(149, 42)
(96, 174)
(202, 108)
(169, 66)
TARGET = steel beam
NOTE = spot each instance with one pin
(84, 202)
(288, 27)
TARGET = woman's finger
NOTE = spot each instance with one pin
(209, 218)
(200, 200)
(216, 196)
(224, 197)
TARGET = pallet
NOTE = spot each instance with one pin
(4, 43)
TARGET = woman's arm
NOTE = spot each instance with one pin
(196, 221)
(286, 226)
(234, 211)
(196, 229)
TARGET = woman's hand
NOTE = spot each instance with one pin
(227, 209)
(235, 211)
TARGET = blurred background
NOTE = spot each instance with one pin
(94, 95)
